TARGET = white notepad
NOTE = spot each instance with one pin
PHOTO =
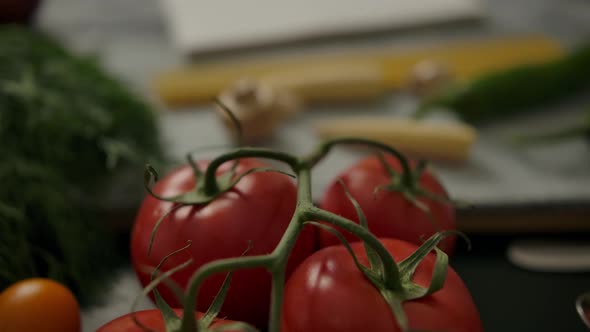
(206, 25)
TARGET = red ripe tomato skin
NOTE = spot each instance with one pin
(327, 293)
(149, 318)
(258, 208)
(389, 214)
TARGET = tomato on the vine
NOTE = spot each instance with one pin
(38, 304)
(257, 209)
(328, 293)
(151, 319)
(389, 214)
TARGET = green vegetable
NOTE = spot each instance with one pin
(515, 90)
(66, 129)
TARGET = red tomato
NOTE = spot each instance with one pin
(149, 318)
(257, 209)
(38, 304)
(389, 214)
(327, 293)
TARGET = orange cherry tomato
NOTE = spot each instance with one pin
(38, 304)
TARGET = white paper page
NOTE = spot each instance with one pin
(204, 25)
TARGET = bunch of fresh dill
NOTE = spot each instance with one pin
(66, 129)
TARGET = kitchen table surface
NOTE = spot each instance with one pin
(131, 39)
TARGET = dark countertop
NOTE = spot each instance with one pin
(514, 299)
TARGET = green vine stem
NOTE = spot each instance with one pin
(327, 146)
(392, 279)
(211, 186)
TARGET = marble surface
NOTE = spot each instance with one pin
(132, 40)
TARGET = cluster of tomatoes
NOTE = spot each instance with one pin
(324, 290)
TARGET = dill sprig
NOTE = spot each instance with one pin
(67, 128)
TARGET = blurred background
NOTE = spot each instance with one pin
(495, 93)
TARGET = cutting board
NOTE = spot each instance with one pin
(208, 25)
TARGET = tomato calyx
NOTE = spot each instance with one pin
(208, 186)
(172, 322)
(394, 280)
(200, 195)
(408, 184)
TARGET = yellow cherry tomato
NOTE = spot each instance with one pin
(37, 304)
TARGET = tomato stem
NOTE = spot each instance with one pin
(276, 303)
(211, 186)
(395, 304)
(304, 198)
(287, 242)
(325, 147)
(391, 271)
(280, 257)
(217, 266)
(239, 136)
